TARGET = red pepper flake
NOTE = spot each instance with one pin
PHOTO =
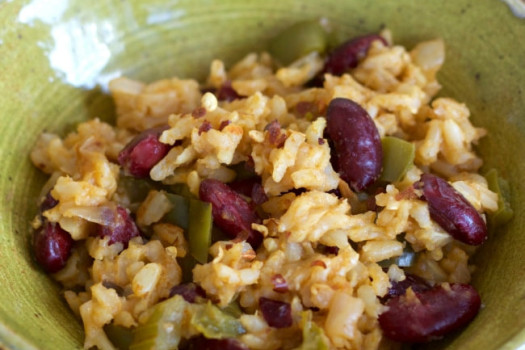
(228, 246)
(318, 263)
(275, 136)
(321, 141)
(224, 124)
(227, 92)
(407, 193)
(198, 112)
(306, 109)
(279, 284)
(205, 127)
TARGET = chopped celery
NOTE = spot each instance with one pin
(179, 214)
(136, 190)
(121, 337)
(213, 323)
(233, 309)
(407, 259)
(163, 329)
(199, 229)
(297, 41)
(313, 336)
(194, 216)
(187, 264)
(398, 157)
(182, 190)
(502, 188)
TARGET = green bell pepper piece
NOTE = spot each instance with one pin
(398, 157)
(163, 329)
(121, 337)
(313, 336)
(199, 229)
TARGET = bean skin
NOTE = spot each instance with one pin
(120, 227)
(143, 152)
(348, 54)
(277, 314)
(356, 142)
(189, 291)
(231, 213)
(452, 211)
(49, 202)
(250, 187)
(52, 247)
(430, 314)
(399, 288)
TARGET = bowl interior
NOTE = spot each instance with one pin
(58, 56)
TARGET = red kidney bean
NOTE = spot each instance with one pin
(250, 187)
(227, 93)
(52, 247)
(417, 284)
(278, 314)
(189, 291)
(143, 152)
(120, 227)
(202, 343)
(356, 142)
(436, 312)
(231, 213)
(452, 211)
(348, 54)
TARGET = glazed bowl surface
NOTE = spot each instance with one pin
(57, 57)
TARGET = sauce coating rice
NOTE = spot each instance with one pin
(303, 252)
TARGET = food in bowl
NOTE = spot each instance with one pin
(297, 200)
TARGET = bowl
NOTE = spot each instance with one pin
(58, 55)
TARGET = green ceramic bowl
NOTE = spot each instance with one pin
(56, 57)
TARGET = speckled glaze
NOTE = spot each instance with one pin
(56, 57)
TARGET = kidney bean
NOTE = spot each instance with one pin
(356, 142)
(143, 152)
(202, 343)
(348, 54)
(189, 291)
(278, 314)
(250, 187)
(231, 213)
(399, 288)
(120, 227)
(52, 247)
(430, 314)
(452, 211)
